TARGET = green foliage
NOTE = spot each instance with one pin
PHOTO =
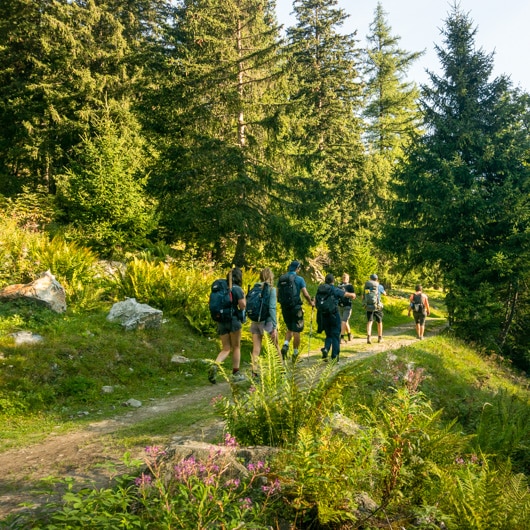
(284, 400)
(168, 286)
(103, 192)
(462, 201)
(189, 496)
(479, 495)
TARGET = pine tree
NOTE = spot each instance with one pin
(462, 202)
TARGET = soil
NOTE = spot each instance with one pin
(78, 454)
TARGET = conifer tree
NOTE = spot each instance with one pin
(462, 197)
(392, 119)
(326, 129)
(219, 180)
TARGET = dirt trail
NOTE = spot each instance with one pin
(77, 454)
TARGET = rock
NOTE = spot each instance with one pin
(26, 337)
(107, 389)
(132, 315)
(45, 289)
(179, 359)
(133, 403)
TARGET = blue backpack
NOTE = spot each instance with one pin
(258, 302)
(220, 303)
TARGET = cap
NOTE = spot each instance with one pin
(295, 265)
(373, 277)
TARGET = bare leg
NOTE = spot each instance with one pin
(235, 340)
(256, 349)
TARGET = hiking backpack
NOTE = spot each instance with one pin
(220, 304)
(258, 302)
(325, 300)
(417, 303)
(288, 295)
(371, 296)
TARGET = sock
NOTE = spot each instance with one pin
(286, 343)
(349, 336)
(295, 352)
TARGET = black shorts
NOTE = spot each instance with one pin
(294, 319)
(376, 315)
(419, 317)
(224, 328)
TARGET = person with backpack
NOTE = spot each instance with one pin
(345, 307)
(227, 307)
(291, 287)
(328, 317)
(419, 307)
(261, 309)
(373, 291)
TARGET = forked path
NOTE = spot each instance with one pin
(80, 453)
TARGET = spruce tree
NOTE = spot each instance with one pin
(462, 196)
(325, 121)
(391, 120)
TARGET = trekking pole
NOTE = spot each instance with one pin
(310, 332)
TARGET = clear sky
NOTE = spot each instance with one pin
(503, 27)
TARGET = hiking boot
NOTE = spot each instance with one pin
(212, 373)
(324, 354)
(368, 341)
(238, 377)
(379, 339)
(349, 337)
(295, 356)
(285, 349)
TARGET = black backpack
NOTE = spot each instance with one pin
(220, 304)
(325, 302)
(288, 294)
(417, 303)
(258, 302)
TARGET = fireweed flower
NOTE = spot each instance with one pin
(232, 483)
(154, 451)
(246, 503)
(272, 488)
(185, 469)
(230, 441)
(143, 480)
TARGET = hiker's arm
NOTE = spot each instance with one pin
(427, 306)
(307, 297)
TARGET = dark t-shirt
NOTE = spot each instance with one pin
(348, 288)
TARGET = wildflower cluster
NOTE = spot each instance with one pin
(193, 492)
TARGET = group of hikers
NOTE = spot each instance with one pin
(229, 307)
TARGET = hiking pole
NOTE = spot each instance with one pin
(310, 332)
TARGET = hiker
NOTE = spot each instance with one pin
(345, 307)
(290, 288)
(230, 330)
(328, 317)
(266, 321)
(373, 291)
(419, 306)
